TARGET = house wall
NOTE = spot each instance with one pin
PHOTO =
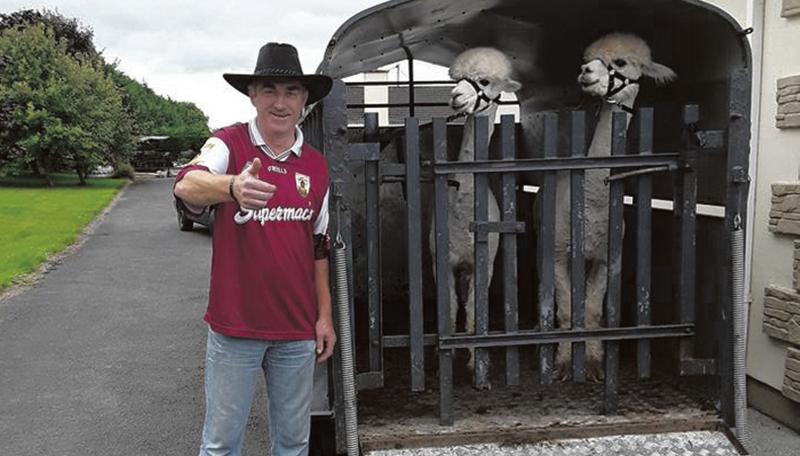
(778, 160)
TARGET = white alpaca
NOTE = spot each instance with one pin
(612, 68)
(482, 74)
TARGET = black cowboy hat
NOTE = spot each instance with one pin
(279, 61)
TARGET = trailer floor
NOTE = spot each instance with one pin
(395, 418)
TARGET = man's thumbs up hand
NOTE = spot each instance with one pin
(254, 167)
(250, 191)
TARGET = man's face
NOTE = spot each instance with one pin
(279, 105)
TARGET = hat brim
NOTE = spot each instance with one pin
(318, 85)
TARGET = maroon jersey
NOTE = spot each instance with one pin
(262, 267)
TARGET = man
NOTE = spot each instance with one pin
(269, 308)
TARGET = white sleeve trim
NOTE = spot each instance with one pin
(214, 156)
(321, 224)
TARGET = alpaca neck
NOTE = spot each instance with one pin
(601, 141)
(467, 151)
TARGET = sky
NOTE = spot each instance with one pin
(180, 48)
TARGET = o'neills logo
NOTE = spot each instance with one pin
(274, 214)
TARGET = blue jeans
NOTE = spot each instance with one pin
(232, 369)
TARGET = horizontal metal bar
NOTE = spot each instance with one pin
(639, 172)
(423, 180)
(497, 227)
(402, 341)
(397, 83)
(531, 337)
(364, 152)
(705, 210)
(531, 431)
(418, 104)
(556, 164)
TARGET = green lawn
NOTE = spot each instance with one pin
(37, 221)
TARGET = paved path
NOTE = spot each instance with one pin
(105, 355)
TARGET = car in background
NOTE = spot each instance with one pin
(187, 217)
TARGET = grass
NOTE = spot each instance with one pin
(39, 221)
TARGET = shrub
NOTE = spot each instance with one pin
(124, 170)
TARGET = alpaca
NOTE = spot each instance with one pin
(482, 74)
(613, 65)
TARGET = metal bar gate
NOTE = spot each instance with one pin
(546, 336)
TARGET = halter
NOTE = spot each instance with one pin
(480, 96)
(614, 89)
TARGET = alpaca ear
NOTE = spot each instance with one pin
(662, 74)
(511, 86)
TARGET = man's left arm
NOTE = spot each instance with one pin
(326, 336)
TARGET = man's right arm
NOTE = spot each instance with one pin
(201, 188)
(208, 184)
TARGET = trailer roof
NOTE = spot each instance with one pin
(542, 37)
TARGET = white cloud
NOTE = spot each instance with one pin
(180, 48)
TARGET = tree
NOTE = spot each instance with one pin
(153, 115)
(63, 107)
(65, 113)
(78, 38)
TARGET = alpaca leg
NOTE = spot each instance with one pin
(564, 316)
(453, 302)
(595, 294)
(469, 323)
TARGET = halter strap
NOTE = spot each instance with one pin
(481, 96)
(613, 89)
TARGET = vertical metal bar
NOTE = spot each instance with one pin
(443, 272)
(414, 214)
(372, 201)
(347, 229)
(735, 208)
(546, 249)
(337, 374)
(509, 246)
(411, 94)
(333, 139)
(686, 252)
(616, 194)
(481, 282)
(644, 222)
(677, 211)
(371, 127)
(577, 262)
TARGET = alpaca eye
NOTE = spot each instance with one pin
(484, 82)
(620, 62)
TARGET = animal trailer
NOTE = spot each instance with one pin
(676, 179)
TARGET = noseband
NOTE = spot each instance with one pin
(613, 88)
(480, 96)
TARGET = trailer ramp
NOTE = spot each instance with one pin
(701, 443)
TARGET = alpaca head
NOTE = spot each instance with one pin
(482, 74)
(614, 64)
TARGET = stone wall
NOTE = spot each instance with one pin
(796, 268)
(782, 321)
(782, 314)
(791, 380)
(784, 216)
(788, 96)
(790, 8)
